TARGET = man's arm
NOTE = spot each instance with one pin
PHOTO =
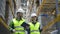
(11, 26)
(25, 25)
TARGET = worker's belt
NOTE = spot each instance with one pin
(20, 30)
(34, 31)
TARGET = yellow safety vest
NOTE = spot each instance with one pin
(17, 24)
(34, 29)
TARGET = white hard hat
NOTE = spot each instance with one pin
(20, 10)
(33, 14)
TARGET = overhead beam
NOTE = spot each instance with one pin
(4, 23)
(51, 3)
(40, 7)
(11, 6)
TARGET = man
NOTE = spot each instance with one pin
(18, 24)
(34, 25)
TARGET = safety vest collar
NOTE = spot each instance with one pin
(34, 27)
(17, 24)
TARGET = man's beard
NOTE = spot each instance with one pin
(34, 21)
(19, 18)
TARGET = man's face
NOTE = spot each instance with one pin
(19, 14)
(34, 18)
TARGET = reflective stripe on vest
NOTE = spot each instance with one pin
(17, 25)
(34, 29)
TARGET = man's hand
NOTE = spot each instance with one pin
(14, 30)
